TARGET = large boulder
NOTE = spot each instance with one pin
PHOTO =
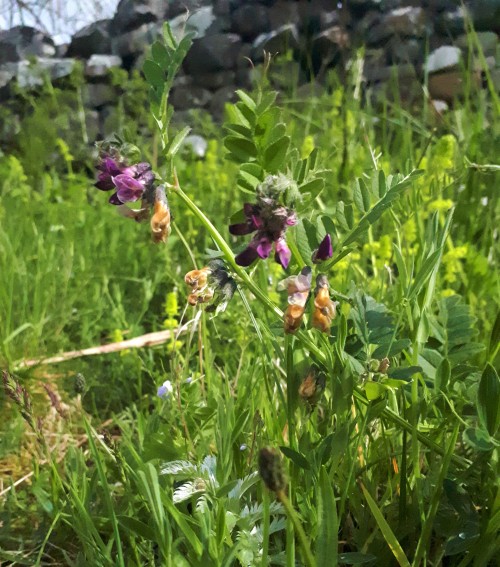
(91, 39)
(132, 14)
(250, 20)
(31, 74)
(98, 66)
(216, 52)
(21, 42)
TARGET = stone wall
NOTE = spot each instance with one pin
(320, 35)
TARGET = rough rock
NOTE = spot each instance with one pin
(213, 53)
(21, 42)
(219, 100)
(132, 43)
(215, 80)
(404, 22)
(249, 21)
(97, 95)
(91, 39)
(184, 98)
(277, 41)
(132, 14)
(445, 57)
(327, 46)
(98, 66)
(450, 84)
(30, 74)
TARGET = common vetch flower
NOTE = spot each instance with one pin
(298, 288)
(268, 218)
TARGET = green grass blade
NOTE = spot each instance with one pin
(386, 530)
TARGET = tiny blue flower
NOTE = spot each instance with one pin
(165, 390)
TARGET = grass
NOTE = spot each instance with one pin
(383, 466)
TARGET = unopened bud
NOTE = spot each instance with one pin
(271, 469)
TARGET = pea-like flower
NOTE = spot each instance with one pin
(211, 284)
(268, 219)
(325, 309)
(133, 183)
(298, 288)
(324, 250)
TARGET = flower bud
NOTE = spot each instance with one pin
(271, 469)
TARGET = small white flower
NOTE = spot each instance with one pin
(165, 390)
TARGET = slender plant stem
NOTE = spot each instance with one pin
(299, 530)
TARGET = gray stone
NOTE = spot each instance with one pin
(407, 50)
(184, 98)
(405, 22)
(195, 145)
(91, 39)
(279, 40)
(132, 14)
(486, 15)
(219, 100)
(215, 80)
(283, 12)
(97, 95)
(176, 7)
(378, 74)
(327, 46)
(250, 20)
(452, 22)
(98, 66)
(213, 53)
(201, 22)
(7, 74)
(445, 57)
(93, 125)
(136, 41)
(32, 74)
(21, 42)
(487, 40)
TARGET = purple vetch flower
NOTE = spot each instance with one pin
(269, 220)
(324, 251)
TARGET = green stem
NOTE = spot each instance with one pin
(304, 337)
(309, 560)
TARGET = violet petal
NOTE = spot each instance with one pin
(324, 251)
(283, 254)
(129, 189)
(114, 200)
(247, 256)
(240, 229)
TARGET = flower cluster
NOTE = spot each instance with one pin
(211, 284)
(298, 289)
(268, 218)
(131, 183)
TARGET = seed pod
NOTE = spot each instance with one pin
(324, 307)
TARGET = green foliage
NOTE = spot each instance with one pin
(395, 461)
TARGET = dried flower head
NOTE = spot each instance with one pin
(312, 386)
(160, 221)
(211, 284)
(324, 307)
(298, 288)
(271, 469)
